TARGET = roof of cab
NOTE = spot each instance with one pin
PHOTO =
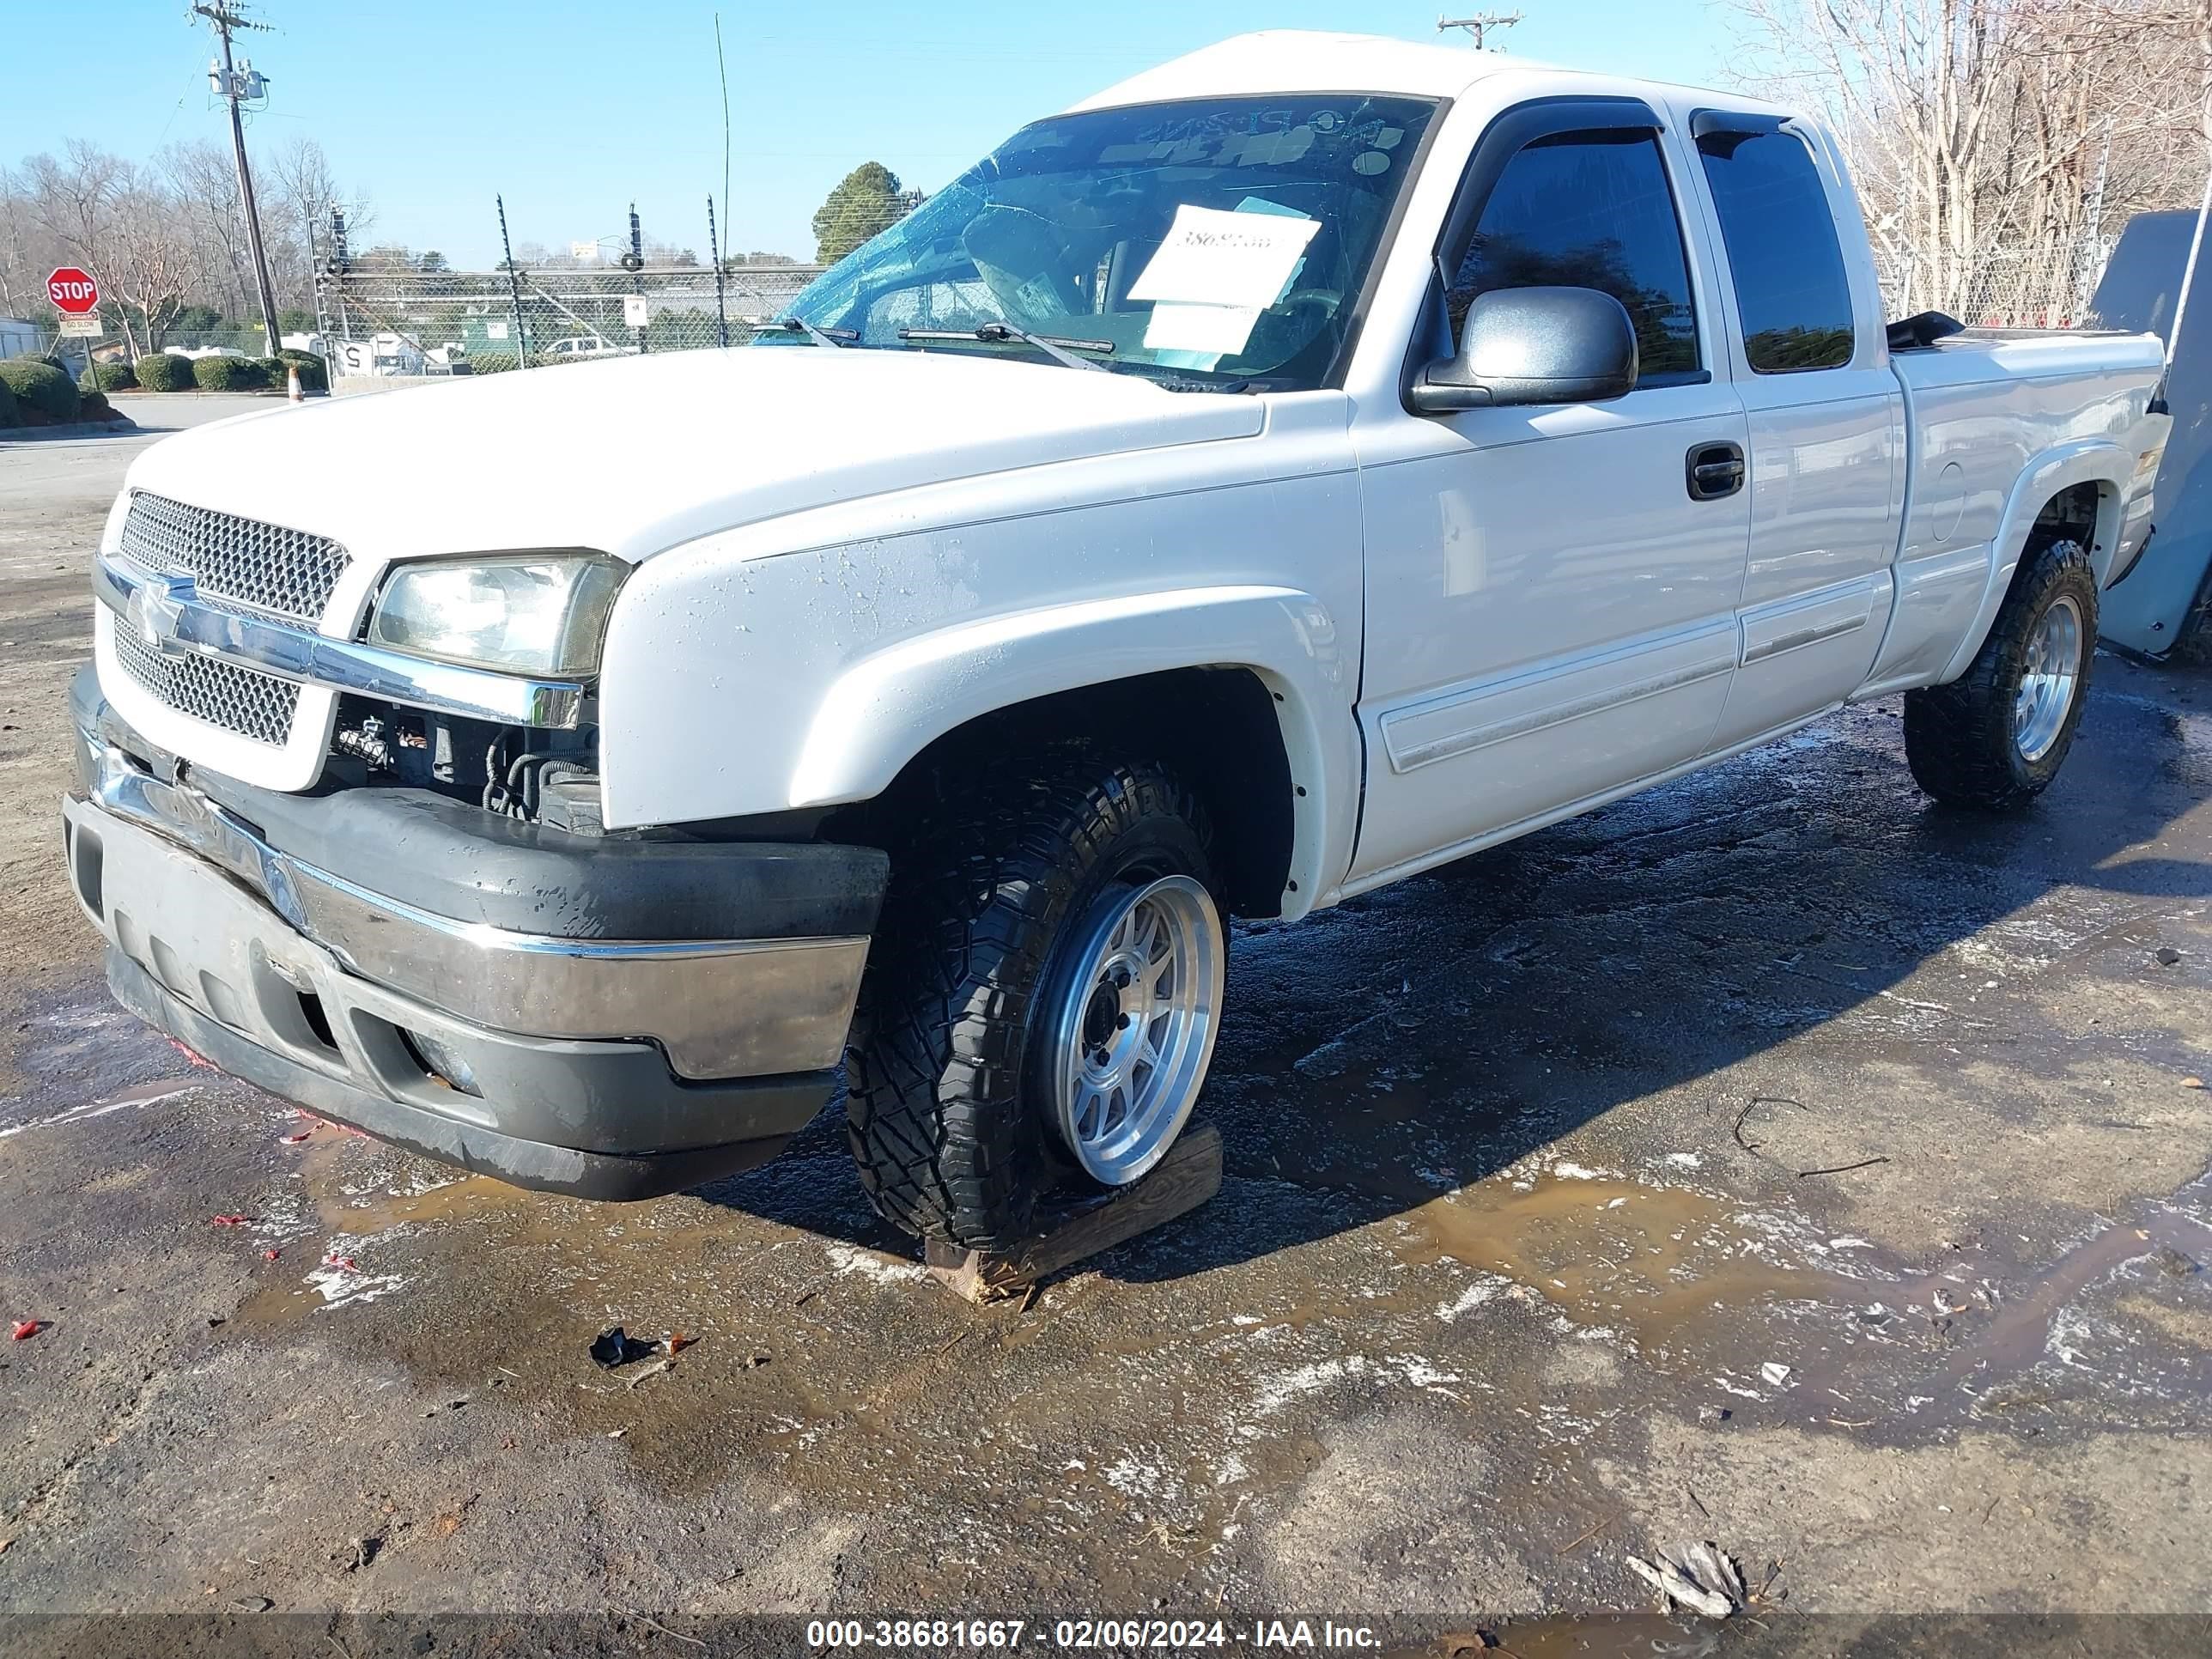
(1304, 60)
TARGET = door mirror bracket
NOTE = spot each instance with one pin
(1523, 346)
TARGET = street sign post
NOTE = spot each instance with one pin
(76, 296)
(73, 291)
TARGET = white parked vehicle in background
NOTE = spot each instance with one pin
(1236, 494)
(587, 345)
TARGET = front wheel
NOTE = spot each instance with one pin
(1995, 736)
(1134, 1003)
(1042, 996)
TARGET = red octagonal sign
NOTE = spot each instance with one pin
(72, 290)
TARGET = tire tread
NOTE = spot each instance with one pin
(1959, 738)
(982, 880)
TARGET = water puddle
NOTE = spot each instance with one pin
(1786, 1325)
(368, 1208)
(1645, 1262)
(2018, 1335)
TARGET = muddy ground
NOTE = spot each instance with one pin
(1775, 1159)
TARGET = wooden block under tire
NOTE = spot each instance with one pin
(1067, 1233)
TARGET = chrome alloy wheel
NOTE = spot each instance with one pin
(2048, 677)
(1133, 1031)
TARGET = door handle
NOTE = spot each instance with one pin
(1714, 472)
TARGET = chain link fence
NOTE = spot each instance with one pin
(2047, 287)
(402, 321)
(376, 323)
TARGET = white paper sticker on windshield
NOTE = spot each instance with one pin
(1220, 330)
(1234, 259)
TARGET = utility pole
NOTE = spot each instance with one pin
(633, 261)
(1477, 25)
(714, 253)
(224, 16)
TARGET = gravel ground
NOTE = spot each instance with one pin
(1774, 1159)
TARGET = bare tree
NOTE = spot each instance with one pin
(72, 200)
(297, 221)
(205, 180)
(18, 251)
(1983, 132)
(163, 237)
(151, 258)
(126, 225)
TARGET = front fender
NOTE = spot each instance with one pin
(802, 724)
(889, 706)
(2091, 460)
(736, 683)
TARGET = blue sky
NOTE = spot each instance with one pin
(573, 107)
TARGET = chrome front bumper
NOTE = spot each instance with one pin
(718, 1009)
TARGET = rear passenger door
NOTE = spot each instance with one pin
(1824, 416)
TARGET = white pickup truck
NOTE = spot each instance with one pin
(1302, 465)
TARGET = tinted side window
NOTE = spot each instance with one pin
(1790, 290)
(1590, 209)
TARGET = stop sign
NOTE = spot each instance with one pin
(72, 290)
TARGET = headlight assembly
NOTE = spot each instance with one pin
(527, 613)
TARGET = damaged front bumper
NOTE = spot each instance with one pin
(611, 1018)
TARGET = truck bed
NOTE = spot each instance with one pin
(1982, 407)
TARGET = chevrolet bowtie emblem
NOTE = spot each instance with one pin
(157, 605)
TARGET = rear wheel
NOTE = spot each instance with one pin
(1995, 736)
(1042, 996)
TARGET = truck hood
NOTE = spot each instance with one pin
(635, 455)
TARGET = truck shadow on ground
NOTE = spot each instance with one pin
(1412, 1042)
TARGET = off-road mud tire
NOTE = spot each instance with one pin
(987, 882)
(1960, 738)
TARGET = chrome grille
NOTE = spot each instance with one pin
(266, 566)
(253, 705)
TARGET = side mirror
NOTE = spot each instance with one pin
(1534, 345)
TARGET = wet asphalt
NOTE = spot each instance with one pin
(1775, 1159)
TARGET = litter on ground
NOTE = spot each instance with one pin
(618, 1347)
(1697, 1576)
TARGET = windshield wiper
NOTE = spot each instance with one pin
(839, 337)
(1060, 351)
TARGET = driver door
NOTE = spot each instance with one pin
(1552, 591)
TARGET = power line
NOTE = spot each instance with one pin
(225, 16)
(1479, 24)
